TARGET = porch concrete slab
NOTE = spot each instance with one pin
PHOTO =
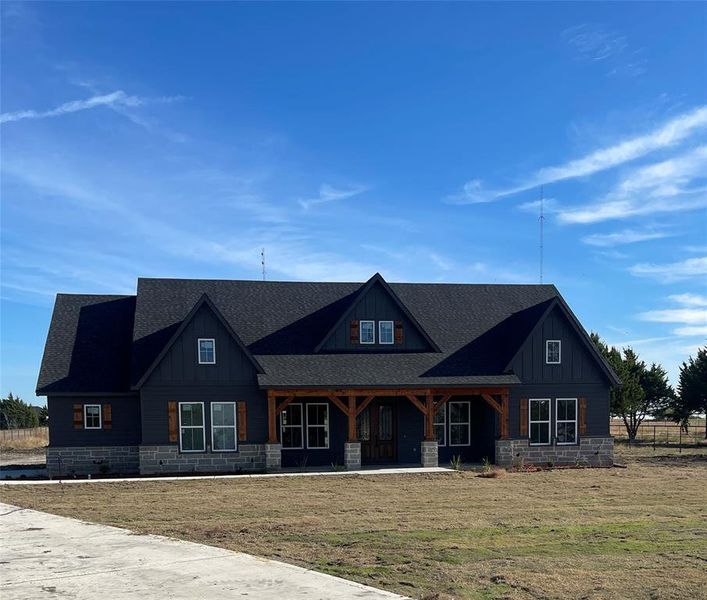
(369, 471)
(49, 556)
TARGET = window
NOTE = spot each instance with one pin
(539, 416)
(363, 426)
(192, 434)
(92, 416)
(207, 351)
(440, 425)
(385, 332)
(459, 424)
(566, 420)
(291, 426)
(553, 353)
(385, 423)
(317, 426)
(223, 426)
(368, 332)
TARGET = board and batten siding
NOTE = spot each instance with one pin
(124, 429)
(180, 378)
(376, 305)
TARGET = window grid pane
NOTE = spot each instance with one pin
(385, 332)
(291, 426)
(367, 332)
(459, 423)
(540, 421)
(566, 421)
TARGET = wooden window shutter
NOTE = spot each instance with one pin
(523, 419)
(353, 329)
(582, 416)
(172, 421)
(107, 417)
(398, 332)
(78, 416)
(242, 423)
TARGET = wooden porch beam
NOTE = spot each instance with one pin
(272, 430)
(392, 392)
(364, 405)
(352, 419)
(441, 402)
(283, 405)
(420, 406)
(339, 404)
(493, 403)
(430, 419)
(505, 404)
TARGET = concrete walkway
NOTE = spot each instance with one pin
(46, 556)
(312, 473)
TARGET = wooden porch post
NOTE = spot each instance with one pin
(352, 419)
(429, 419)
(272, 413)
(505, 409)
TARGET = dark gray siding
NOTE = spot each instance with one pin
(376, 305)
(483, 432)
(125, 430)
(578, 365)
(180, 378)
(597, 396)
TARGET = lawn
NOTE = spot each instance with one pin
(639, 532)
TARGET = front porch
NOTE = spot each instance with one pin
(353, 428)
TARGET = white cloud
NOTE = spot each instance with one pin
(328, 193)
(670, 272)
(689, 316)
(627, 236)
(661, 187)
(691, 331)
(689, 299)
(667, 135)
(118, 99)
(600, 45)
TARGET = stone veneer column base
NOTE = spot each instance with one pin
(352, 456)
(92, 460)
(429, 453)
(273, 457)
(156, 460)
(591, 452)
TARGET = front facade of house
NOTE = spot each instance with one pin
(230, 376)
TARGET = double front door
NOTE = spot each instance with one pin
(376, 428)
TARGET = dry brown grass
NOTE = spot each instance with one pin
(28, 443)
(638, 532)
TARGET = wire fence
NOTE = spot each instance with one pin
(662, 434)
(20, 434)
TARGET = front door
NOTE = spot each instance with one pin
(377, 431)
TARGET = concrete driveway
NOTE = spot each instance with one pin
(46, 556)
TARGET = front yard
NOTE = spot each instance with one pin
(639, 532)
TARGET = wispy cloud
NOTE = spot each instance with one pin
(598, 44)
(118, 99)
(328, 193)
(671, 272)
(673, 185)
(689, 299)
(689, 316)
(667, 135)
(627, 236)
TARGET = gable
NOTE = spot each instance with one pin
(376, 302)
(578, 364)
(180, 364)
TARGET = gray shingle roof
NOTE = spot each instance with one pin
(478, 328)
(88, 345)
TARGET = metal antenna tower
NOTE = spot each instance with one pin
(262, 261)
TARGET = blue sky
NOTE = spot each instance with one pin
(176, 140)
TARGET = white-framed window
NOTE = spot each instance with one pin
(553, 352)
(539, 421)
(92, 416)
(317, 426)
(207, 351)
(441, 425)
(367, 332)
(459, 423)
(385, 332)
(291, 427)
(566, 420)
(223, 427)
(192, 432)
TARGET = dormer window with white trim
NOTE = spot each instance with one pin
(553, 352)
(207, 351)
(385, 332)
(367, 333)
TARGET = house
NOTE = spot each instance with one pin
(226, 376)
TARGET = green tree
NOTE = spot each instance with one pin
(642, 392)
(43, 416)
(692, 389)
(16, 414)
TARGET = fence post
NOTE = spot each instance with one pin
(654, 438)
(680, 441)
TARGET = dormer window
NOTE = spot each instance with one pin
(367, 332)
(553, 352)
(385, 332)
(207, 351)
